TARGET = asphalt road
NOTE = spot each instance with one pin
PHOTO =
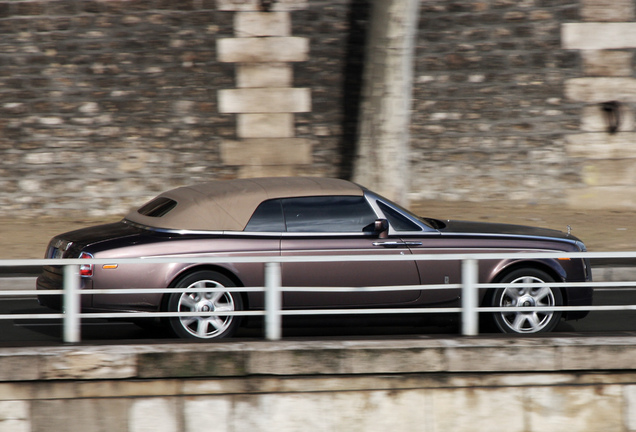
(33, 332)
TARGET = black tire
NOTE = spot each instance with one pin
(542, 295)
(195, 298)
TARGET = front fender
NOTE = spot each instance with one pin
(493, 271)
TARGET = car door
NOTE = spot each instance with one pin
(341, 225)
(423, 241)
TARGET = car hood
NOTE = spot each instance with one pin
(465, 227)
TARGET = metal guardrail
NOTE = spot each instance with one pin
(273, 290)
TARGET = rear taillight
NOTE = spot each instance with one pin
(86, 270)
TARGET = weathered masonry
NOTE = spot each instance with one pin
(105, 103)
(265, 101)
(526, 385)
(608, 88)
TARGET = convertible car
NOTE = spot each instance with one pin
(309, 217)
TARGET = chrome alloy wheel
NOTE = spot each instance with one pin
(541, 295)
(197, 299)
(197, 296)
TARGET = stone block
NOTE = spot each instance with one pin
(607, 63)
(153, 414)
(568, 408)
(612, 172)
(86, 415)
(347, 358)
(508, 358)
(602, 197)
(19, 368)
(208, 411)
(263, 152)
(16, 425)
(15, 416)
(347, 411)
(15, 390)
(98, 365)
(594, 119)
(189, 364)
(598, 357)
(266, 49)
(302, 362)
(264, 100)
(607, 10)
(483, 404)
(265, 125)
(597, 90)
(397, 361)
(601, 145)
(598, 36)
(263, 75)
(258, 5)
(630, 407)
(376, 411)
(259, 24)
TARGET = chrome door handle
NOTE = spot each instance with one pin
(389, 244)
(397, 244)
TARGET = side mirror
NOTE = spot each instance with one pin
(381, 228)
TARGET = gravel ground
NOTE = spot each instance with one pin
(601, 230)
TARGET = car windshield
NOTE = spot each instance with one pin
(397, 209)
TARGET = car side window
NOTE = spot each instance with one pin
(268, 217)
(328, 214)
(398, 221)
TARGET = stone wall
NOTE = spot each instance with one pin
(525, 385)
(490, 113)
(104, 103)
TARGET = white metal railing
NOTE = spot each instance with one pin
(273, 290)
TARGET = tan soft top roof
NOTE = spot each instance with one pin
(228, 205)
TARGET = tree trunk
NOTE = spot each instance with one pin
(382, 157)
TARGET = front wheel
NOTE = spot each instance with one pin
(533, 296)
(197, 297)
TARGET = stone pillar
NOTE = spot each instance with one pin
(264, 101)
(606, 144)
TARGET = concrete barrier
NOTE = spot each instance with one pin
(425, 384)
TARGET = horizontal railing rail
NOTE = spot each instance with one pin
(273, 308)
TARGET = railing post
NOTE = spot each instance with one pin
(470, 316)
(273, 301)
(71, 304)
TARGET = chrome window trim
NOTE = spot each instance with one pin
(372, 199)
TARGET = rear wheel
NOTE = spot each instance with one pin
(197, 297)
(533, 296)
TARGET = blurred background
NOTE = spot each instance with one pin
(105, 103)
